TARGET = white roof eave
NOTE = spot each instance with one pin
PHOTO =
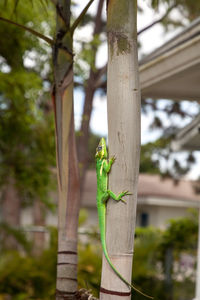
(174, 74)
(188, 138)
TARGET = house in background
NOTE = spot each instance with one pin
(173, 70)
(158, 200)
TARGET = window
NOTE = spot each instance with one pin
(144, 219)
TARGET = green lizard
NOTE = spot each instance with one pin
(103, 166)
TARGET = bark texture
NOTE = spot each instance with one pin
(124, 142)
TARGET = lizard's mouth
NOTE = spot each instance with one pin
(99, 154)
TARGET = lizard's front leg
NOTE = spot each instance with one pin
(118, 197)
(108, 163)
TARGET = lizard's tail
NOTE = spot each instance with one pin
(121, 277)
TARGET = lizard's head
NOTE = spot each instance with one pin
(101, 151)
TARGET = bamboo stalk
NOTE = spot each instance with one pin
(67, 166)
(124, 142)
(67, 163)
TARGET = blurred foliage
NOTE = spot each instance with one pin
(181, 234)
(27, 146)
(188, 8)
(6, 232)
(26, 277)
(89, 267)
(148, 164)
(147, 240)
(90, 251)
(87, 55)
(150, 254)
(83, 215)
(158, 158)
(146, 271)
(167, 118)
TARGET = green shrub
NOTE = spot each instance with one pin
(28, 277)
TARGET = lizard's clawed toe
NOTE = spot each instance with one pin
(123, 201)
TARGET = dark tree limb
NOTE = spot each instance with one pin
(36, 33)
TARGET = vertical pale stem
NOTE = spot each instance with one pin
(69, 202)
(124, 142)
(67, 165)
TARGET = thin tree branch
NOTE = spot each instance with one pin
(157, 21)
(80, 17)
(38, 34)
(100, 73)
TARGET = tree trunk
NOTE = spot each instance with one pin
(38, 221)
(11, 210)
(83, 139)
(67, 165)
(124, 142)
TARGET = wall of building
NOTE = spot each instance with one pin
(147, 215)
(158, 216)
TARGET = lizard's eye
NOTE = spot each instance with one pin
(99, 148)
